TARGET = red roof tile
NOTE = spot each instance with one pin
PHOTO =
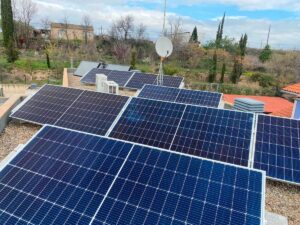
(294, 88)
(273, 105)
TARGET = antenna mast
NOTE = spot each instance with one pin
(269, 35)
(164, 22)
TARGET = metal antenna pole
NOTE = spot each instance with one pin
(269, 35)
(164, 23)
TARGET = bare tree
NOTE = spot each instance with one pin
(86, 23)
(121, 50)
(141, 32)
(122, 28)
(24, 12)
(66, 31)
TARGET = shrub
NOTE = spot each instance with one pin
(170, 70)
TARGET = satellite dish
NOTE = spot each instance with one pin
(164, 47)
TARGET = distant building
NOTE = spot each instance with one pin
(71, 32)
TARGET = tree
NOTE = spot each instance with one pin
(133, 59)
(8, 30)
(194, 36)
(223, 73)
(122, 28)
(219, 35)
(213, 69)
(266, 54)
(243, 46)
(86, 23)
(236, 71)
(141, 32)
(25, 11)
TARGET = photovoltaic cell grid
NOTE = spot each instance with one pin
(60, 177)
(159, 93)
(149, 122)
(215, 134)
(156, 187)
(202, 98)
(120, 77)
(93, 112)
(277, 148)
(71, 108)
(90, 77)
(48, 104)
(66, 177)
(138, 80)
(172, 81)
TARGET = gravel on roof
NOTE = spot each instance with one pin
(283, 199)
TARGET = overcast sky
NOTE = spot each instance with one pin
(243, 16)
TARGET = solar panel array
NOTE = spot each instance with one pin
(90, 77)
(67, 177)
(88, 111)
(129, 79)
(277, 148)
(211, 133)
(203, 98)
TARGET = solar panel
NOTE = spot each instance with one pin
(60, 177)
(47, 105)
(93, 112)
(149, 122)
(71, 108)
(159, 93)
(215, 134)
(120, 77)
(138, 80)
(66, 177)
(90, 77)
(277, 148)
(172, 81)
(202, 98)
(157, 187)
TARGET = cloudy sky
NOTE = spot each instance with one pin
(243, 16)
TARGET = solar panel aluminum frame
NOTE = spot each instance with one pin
(8, 159)
(253, 141)
(219, 105)
(254, 151)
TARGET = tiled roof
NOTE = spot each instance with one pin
(273, 105)
(294, 88)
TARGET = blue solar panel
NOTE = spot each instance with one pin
(149, 122)
(60, 177)
(90, 77)
(277, 148)
(202, 98)
(215, 134)
(47, 105)
(93, 112)
(157, 187)
(172, 81)
(120, 77)
(66, 177)
(138, 80)
(159, 93)
(72, 108)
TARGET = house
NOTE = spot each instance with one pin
(275, 106)
(71, 32)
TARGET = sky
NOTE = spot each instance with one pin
(242, 16)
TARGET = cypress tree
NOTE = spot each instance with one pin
(8, 30)
(213, 69)
(223, 73)
(219, 36)
(194, 36)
